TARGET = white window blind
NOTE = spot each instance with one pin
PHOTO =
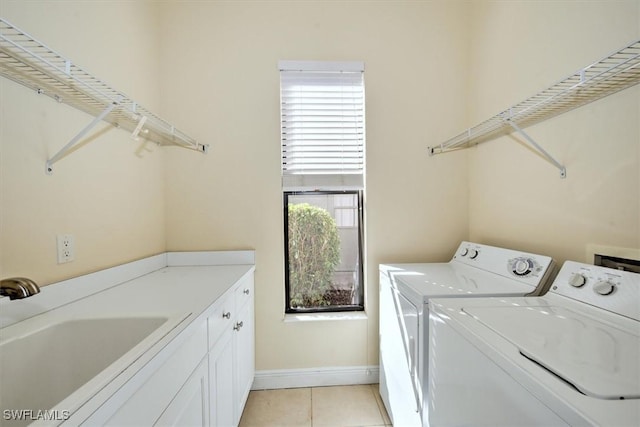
(322, 124)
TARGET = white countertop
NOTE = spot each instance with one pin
(168, 290)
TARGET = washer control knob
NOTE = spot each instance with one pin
(464, 251)
(522, 266)
(577, 280)
(604, 287)
(473, 254)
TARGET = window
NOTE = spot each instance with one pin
(323, 258)
(322, 124)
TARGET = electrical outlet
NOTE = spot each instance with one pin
(66, 248)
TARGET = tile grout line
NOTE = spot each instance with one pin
(383, 411)
(311, 406)
(375, 399)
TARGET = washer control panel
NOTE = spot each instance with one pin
(603, 284)
(614, 290)
(525, 267)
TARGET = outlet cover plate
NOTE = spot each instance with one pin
(66, 248)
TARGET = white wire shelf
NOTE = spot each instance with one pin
(29, 62)
(611, 74)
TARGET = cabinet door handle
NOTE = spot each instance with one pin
(238, 326)
(246, 291)
(227, 315)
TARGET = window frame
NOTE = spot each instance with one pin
(361, 269)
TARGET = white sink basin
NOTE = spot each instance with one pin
(39, 370)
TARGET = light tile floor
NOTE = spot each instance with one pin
(337, 406)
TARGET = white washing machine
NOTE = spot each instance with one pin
(568, 358)
(405, 291)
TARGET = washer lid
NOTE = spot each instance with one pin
(452, 280)
(600, 356)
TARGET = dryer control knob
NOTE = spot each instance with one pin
(464, 252)
(522, 266)
(604, 288)
(577, 280)
(473, 254)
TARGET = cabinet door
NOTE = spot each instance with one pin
(149, 401)
(221, 411)
(244, 356)
(190, 406)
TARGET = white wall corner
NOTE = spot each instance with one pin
(315, 377)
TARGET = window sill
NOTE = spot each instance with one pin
(319, 317)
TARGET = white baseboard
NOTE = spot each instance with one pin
(315, 377)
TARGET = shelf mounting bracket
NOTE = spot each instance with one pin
(136, 131)
(60, 154)
(537, 147)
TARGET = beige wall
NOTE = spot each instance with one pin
(221, 78)
(517, 198)
(432, 68)
(110, 193)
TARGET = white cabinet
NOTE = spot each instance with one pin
(221, 397)
(206, 378)
(159, 392)
(190, 407)
(232, 355)
(243, 346)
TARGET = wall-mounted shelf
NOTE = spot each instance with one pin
(613, 73)
(32, 64)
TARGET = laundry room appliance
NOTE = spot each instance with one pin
(475, 270)
(568, 358)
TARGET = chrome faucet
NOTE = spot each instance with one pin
(18, 287)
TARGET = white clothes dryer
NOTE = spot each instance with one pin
(568, 358)
(405, 291)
